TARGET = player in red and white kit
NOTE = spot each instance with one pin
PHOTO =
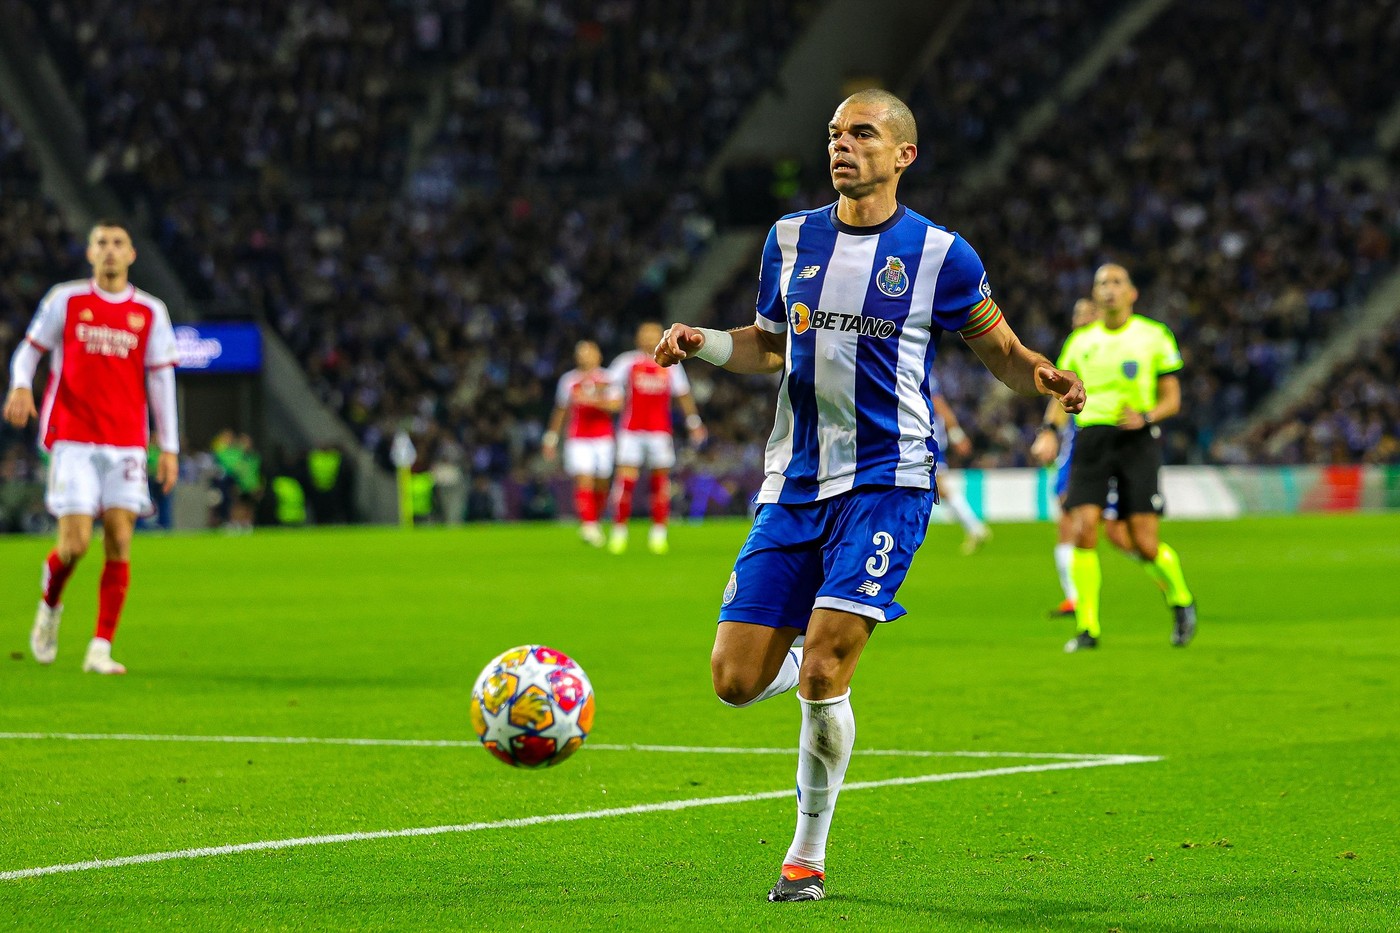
(644, 435)
(113, 354)
(589, 399)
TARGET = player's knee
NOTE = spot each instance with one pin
(734, 685)
(821, 676)
(74, 547)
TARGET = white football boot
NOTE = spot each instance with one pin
(591, 534)
(99, 658)
(617, 540)
(656, 540)
(43, 637)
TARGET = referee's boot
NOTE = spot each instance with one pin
(1081, 642)
(1183, 624)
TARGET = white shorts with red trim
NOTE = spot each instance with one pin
(588, 456)
(655, 449)
(88, 479)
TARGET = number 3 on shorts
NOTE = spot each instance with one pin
(880, 563)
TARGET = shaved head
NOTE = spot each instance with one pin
(897, 114)
(1115, 268)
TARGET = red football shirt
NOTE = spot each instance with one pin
(102, 344)
(650, 388)
(580, 392)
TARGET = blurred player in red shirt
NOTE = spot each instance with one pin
(112, 355)
(644, 434)
(588, 398)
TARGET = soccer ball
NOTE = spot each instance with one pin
(532, 706)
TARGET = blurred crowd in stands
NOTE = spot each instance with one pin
(432, 200)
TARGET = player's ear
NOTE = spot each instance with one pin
(908, 152)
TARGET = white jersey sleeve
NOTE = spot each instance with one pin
(160, 389)
(563, 395)
(620, 372)
(680, 382)
(160, 347)
(46, 330)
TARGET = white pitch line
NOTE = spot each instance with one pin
(455, 743)
(665, 806)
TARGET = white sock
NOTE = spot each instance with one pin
(962, 510)
(824, 751)
(785, 681)
(1064, 556)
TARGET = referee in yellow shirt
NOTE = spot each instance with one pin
(1129, 365)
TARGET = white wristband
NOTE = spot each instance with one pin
(956, 434)
(718, 348)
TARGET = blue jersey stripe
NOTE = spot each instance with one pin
(815, 239)
(877, 360)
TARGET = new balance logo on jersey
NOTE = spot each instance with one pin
(809, 272)
(869, 588)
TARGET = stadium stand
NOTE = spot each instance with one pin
(36, 249)
(431, 202)
(1247, 237)
(450, 308)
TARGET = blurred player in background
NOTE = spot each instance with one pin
(644, 435)
(588, 398)
(1129, 365)
(851, 300)
(949, 433)
(113, 355)
(1054, 443)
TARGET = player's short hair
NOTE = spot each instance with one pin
(897, 112)
(1127, 273)
(111, 222)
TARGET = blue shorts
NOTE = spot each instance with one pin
(1063, 465)
(850, 552)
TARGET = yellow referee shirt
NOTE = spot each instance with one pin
(1119, 367)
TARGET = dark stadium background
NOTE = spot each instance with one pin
(423, 204)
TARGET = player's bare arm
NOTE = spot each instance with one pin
(167, 470)
(1024, 371)
(19, 407)
(1168, 404)
(1046, 446)
(694, 424)
(549, 444)
(755, 350)
(957, 437)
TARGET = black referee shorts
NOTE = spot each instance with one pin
(1103, 454)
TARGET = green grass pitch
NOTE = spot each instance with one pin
(1275, 804)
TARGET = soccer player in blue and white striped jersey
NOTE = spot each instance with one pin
(852, 300)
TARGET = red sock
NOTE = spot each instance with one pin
(622, 496)
(111, 596)
(660, 497)
(585, 504)
(55, 577)
(599, 498)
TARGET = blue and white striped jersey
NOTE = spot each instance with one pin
(863, 308)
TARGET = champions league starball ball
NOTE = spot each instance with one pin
(532, 707)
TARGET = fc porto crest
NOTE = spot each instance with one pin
(892, 280)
